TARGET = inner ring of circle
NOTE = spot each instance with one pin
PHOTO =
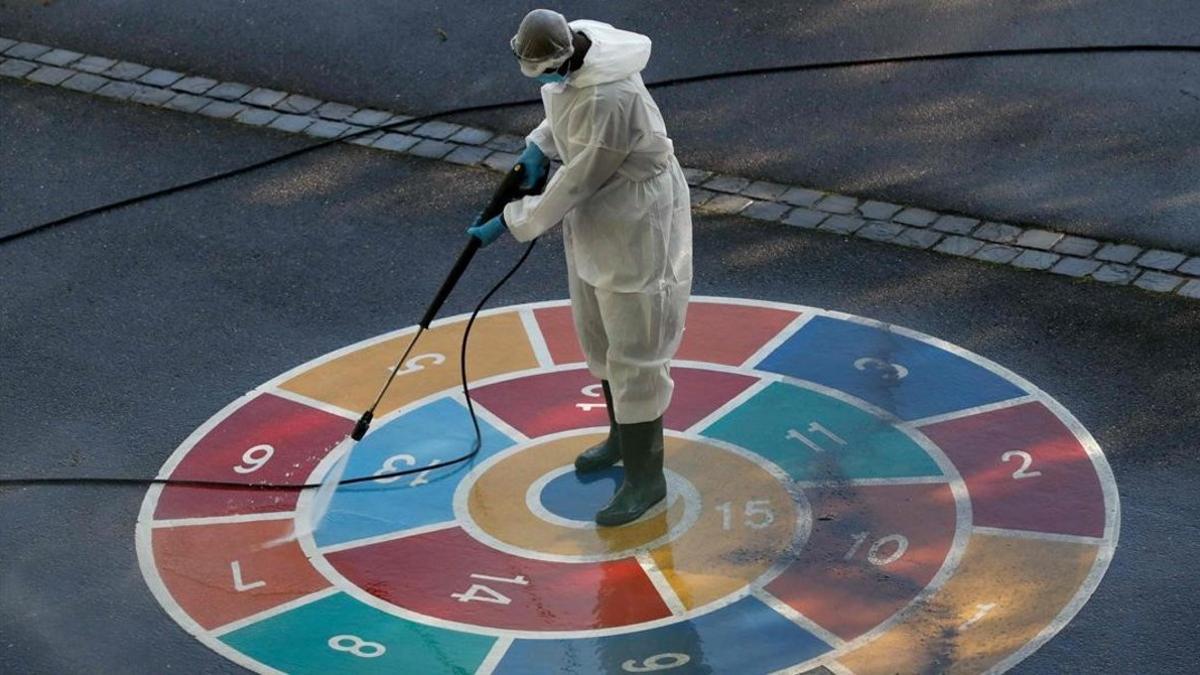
(678, 487)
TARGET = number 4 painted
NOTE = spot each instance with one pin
(481, 593)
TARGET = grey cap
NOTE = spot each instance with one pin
(544, 40)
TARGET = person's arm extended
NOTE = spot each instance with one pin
(543, 137)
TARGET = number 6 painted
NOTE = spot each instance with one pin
(1026, 462)
(657, 662)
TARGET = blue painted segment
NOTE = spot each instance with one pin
(826, 350)
(816, 437)
(298, 641)
(579, 498)
(437, 432)
(745, 637)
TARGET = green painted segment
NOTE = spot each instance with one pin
(816, 437)
(298, 641)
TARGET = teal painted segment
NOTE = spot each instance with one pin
(298, 641)
(816, 437)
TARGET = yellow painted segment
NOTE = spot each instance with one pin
(746, 524)
(497, 505)
(1005, 591)
(498, 345)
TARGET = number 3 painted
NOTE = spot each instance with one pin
(1026, 462)
(657, 662)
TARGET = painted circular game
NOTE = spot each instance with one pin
(843, 494)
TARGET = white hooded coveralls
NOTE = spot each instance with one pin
(627, 222)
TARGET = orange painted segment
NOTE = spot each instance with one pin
(729, 334)
(498, 345)
(746, 524)
(1005, 591)
(222, 573)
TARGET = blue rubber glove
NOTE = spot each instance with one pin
(536, 165)
(489, 231)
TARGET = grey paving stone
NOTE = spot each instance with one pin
(1036, 260)
(337, 112)
(151, 95)
(878, 210)
(396, 142)
(187, 102)
(916, 217)
(1119, 253)
(264, 97)
(85, 82)
(17, 69)
(326, 129)
(805, 218)
(765, 210)
(291, 123)
(1115, 274)
(963, 246)
(500, 161)
(5, 44)
(836, 204)
(222, 110)
(723, 183)
(877, 230)
(295, 103)
(472, 136)
(1078, 246)
(842, 224)
(94, 64)
(696, 177)
(996, 253)
(955, 224)
(1190, 290)
(229, 91)
(49, 75)
(367, 140)
(798, 196)
(766, 190)
(699, 196)
(1164, 261)
(469, 155)
(26, 50)
(726, 204)
(195, 85)
(396, 122)
(998, 233)
(507, 143)
(256, 117)
(1075, 267)
(1191, 267)
(437, 129)
(59, 57)
(916, 237)
(160, 78)
(126, 70)
(1043, 240)
(1158, 281)
(369, 117)
(118, 90)
(431, 148)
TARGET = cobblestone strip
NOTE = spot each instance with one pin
(949, 234)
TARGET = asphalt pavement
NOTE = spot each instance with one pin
(1100, 145)
(124, 332)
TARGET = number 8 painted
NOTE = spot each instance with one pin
(358, 646)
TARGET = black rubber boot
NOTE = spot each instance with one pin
(602, 455)
(645, 484)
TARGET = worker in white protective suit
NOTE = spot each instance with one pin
(627, 228)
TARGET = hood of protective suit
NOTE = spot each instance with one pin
(615, 54)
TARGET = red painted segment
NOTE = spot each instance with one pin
(299, 437)
(716, 332)
(432, 574)
(1058, 491)
(551, 402)
(197, 565)
(851, 575)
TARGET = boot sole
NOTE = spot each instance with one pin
(628, 517)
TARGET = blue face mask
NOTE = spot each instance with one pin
(550, 78)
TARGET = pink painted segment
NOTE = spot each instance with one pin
(716, 332)
(848, 578)
(552, 402)
(299, 436)
(432, 574)
(1060, 491)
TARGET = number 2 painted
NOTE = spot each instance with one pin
(1026, 462)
